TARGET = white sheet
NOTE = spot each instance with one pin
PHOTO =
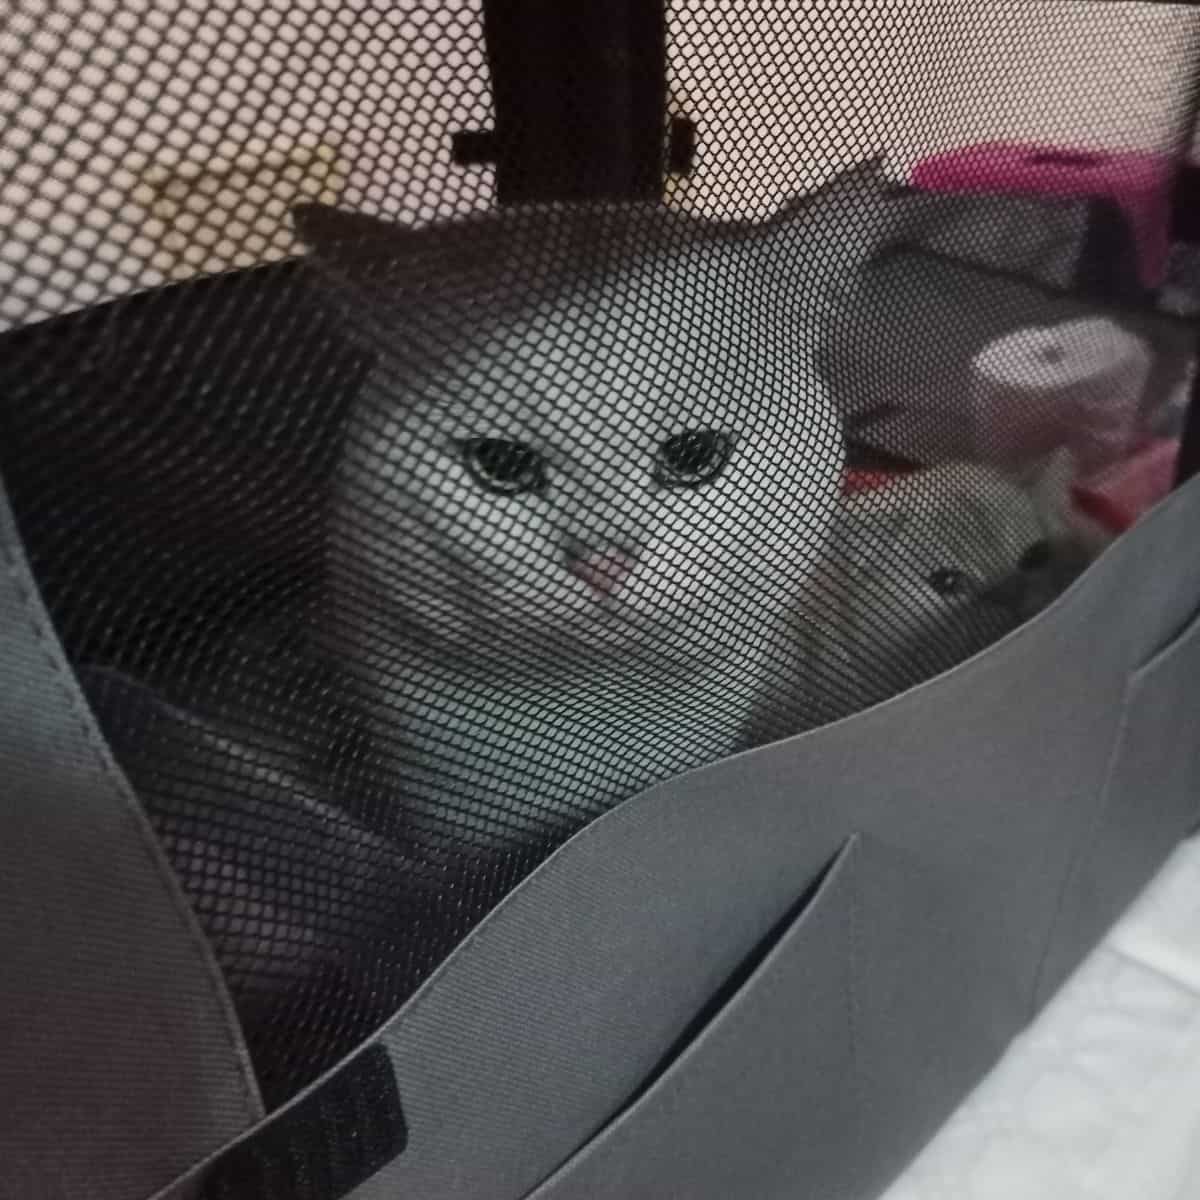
(1100, 1099)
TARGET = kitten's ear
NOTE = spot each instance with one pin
(859, 213)
(831, 235)
(864, 179)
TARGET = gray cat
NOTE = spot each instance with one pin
(592, 463)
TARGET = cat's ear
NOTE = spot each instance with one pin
(490, 259)
(864, 180)
(365, 250)
(858, 214)
(831, 235)
(397, 287)
(336, 234)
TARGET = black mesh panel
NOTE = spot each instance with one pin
(433, 426)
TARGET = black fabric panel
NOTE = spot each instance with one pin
(323, 1147)
(579, 91)
(224, 399)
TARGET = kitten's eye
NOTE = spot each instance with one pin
(505, 467)
(949, 581)
(692, 458)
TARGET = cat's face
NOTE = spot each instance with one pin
(628, 457)
(590, 478)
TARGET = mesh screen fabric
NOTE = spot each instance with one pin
(389, 565)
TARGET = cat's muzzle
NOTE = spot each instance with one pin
(604, 571)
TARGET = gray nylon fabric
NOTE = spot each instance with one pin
(1152, 792)
(837, 1015)
(792, 1029)
(120, 1060)
(979, 826)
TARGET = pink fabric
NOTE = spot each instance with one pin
(1139, 183)
(857, 480)
(1118, 496)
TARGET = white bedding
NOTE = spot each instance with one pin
(1100, 1099)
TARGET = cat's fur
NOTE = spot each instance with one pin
(515, 697)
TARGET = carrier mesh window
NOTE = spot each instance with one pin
(432, 426)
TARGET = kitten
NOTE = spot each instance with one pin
(592, 462)
(923, 572)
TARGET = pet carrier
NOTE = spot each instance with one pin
(598, 600)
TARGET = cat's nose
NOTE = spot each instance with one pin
(603, 571)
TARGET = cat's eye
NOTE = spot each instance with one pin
(692, 458)
(949, 581)
(506, 467)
